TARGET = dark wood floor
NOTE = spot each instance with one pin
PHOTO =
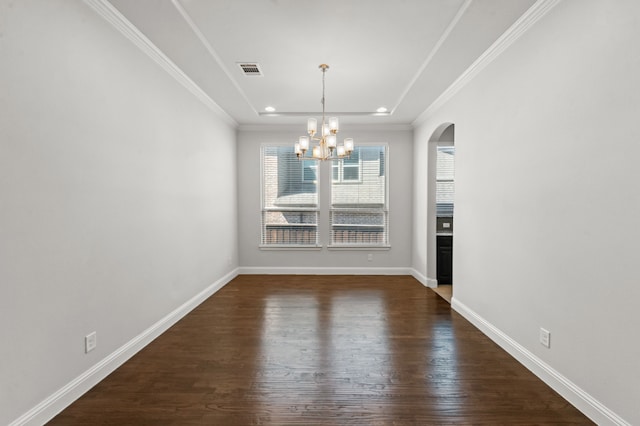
(330, 350)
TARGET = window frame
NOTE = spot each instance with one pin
(444, 209)
(385, 245)
(264, 209)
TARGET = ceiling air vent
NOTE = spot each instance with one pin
(250, 68)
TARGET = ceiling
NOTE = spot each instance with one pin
(399, 54)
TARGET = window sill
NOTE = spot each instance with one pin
(358, 247)
(289, 247)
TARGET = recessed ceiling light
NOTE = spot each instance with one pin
(269, 109)
(381, 109)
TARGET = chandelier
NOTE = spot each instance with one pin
(326, 147)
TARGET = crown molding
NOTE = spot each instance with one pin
(526, 21)
(433, 52)
(205, 42)
(295, 128)
(107, 11)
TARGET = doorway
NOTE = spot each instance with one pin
(445, 186)
(441, 209)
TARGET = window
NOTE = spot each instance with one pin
(309, 171)
(347, 170)
(359, 212)
(289, 198)
(444, 181)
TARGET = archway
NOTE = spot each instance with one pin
(440, 207)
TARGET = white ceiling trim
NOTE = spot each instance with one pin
(196, 30)
(294, 128)
(328, 113)
(126, 28)
(526, 21)
(433, 52)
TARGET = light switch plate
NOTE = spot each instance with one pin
(545, 337)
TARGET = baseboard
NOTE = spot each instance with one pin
(267, 270)
(54, 404)
(584, 402)
(420, 277)
(426, 281)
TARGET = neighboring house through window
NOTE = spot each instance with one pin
(309, 171)
(289, 199)
(358, 214)
(359, 199)
(445, 187)
(347, 170)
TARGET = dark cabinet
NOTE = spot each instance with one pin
(444, 259)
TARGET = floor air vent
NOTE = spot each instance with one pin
(250, 69)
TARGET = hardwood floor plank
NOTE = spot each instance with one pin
(321, 350)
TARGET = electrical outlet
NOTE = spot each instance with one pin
(545, 337)
(90, 342)
(369, 257)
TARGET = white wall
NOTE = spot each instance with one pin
(117, 196)
(547, 199)
(253, 259)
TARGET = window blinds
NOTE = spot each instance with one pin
(359, 212)
(444, 181)
(289, 198)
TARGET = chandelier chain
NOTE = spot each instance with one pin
(324, 68)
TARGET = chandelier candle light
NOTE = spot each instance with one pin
(327, 148)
